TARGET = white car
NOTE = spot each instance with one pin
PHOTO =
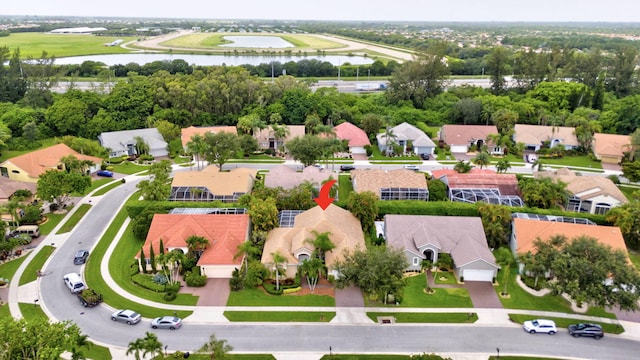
(412, 167)
(531, 158)
(540, 326)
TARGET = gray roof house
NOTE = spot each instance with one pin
(402, 134)
(123, 142)
(425, 237)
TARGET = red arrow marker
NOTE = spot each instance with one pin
(323, 199)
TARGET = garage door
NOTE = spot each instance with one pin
(610, 159)
(478, 275)
(458, 149)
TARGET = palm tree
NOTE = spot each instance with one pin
(313, 269)
(503, 165)
(151, 345)
(482, 159)
(462, 167)
(76, 351)
(217, 349)
(389, 139)
(280, 132)
(141, 146)
(197, 147)
(245, 250)
(197, 245)
(322, 243)
(537, 163)
(135, 347)
(278, 259)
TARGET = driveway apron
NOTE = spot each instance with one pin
(483, 295)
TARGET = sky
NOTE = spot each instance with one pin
(358, 10)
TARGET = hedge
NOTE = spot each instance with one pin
(136, 207)
(146, 281)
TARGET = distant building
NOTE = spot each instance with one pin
(77, 30)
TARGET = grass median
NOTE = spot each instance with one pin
(279, 316)
(30, 273)
(74, 219)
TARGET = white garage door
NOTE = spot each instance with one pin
(458, 149)
(358, 150)
(478, 275)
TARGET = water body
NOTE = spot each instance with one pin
(260, 42)
(208, 60)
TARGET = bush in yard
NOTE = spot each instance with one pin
(134, 267)
(169, 296)
(194, 279)
(236, 283)
(146, 281)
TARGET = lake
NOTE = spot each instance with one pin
(208, 60)
(261, 42)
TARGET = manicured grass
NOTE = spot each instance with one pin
(8, 269)
(32, 312)
(96, 352)
(37, 263)
(257, 297)
(107, 188)
(129, 168)
(74, 219)
(634, 255)
(575, 161)
(211, 41)
(52, 222)
(415, 296)
(4, 311)
(62, 45)
(427, 317)
(94, 279)
(628, 191)
(565, 322)
(94, 185)
(448, 276)
(279, 316)
(345, 187)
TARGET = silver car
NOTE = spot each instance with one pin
(166, 322)
(128, 317)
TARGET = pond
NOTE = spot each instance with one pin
(262, 42)
(208, 60)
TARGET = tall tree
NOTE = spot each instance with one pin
(197, 147)
(496, 221)
(321, 243)
(544, 193)
(216, 348)
(313, 269)
(419, 79)
(364, 206)
(482, 159)
(245, 251)
(197, 245)
(221, 147)
(36, 339)
(151, 345)
(278, 260)
(497, 61)
(57, 186)
(307, 149)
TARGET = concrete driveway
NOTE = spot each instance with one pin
(483, 295)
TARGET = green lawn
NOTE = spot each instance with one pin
(52, 221)
(279, 316)
(8, 269)
(415, 296)
(573, 161)
(345, 187)
(4, 311)
(427, 317)
(37, 263)
(107, 188)
(628, 191)
(74, 219)
(61, 45)
(129, 168)
(445, 277)
(565, 322)
(257, 297)
(634, 255)
(32, 311)
(94, 185)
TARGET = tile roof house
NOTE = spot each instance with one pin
(123, 143)
(28, 167)
(405, 133)
(481, 185)
(397, 184)
(461, 137)
(267, 140)
(287, 178)
(211, 184)
(224, 232)
(8, 187)
(610, 148)
(292, 242)
(426, 237)
(533, 136)
(591, 194)
(357, 138)
(187, 133)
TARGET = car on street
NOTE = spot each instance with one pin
(412, 167)
(585, 329)
(540, 326)
(80, 257)
(128, 317)
(347, 167)
(166, 322)
(105, 173)
(531, 158)
(319, 166)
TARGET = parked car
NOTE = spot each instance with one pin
(80, 257)
(424, 156)
(586, 329)
(166, 322)
(412, 167)
(347, 167)
(531, 158)
(74, 283)
(128, 317)
(319, 166)
(105, 173)
(540, 326)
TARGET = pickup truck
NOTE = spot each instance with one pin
(89, 298)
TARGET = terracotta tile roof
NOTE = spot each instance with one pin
(37, 162)
(465, 134)
(374, 180)
(527, 231)
(585, 187)
(611, 144)
(295, 131)
(536, 134)
(187, 133)
(479, 179)
(286, 177)
(355, 135)
(461, 236)
(346, 234)
(224, 232)
(8, 187)
(238, 180)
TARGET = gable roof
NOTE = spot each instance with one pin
(224, 232)
(263, 135)
(461, 236)
(507, 184)
(37, 162)
(465, 134)
(355, 135)
(238, 180)
(406, 131)
(8, 187)
(528, 231)
(585, 187)
(187, 133)
(287, 178)
(118, 140)
(344, 228)
(611, 144)
(537, 134)
(375, 179)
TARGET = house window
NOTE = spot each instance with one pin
(416, 261)
(15, 171)
(602, 208)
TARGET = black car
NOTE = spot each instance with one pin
(347, 167)
(585, 329)
(81, 257)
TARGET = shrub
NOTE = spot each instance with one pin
(195, 280)
(614, 178)
(146, 281)
(291, 290)
(115, 160)
(331, 279)
(270, 288)
(169, 296)
(236, 283)
(146, 157)
(160, 279)
(134, 267)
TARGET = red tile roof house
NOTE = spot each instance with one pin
(591, 194)
(533, 136)
(426, 237)
(610, 148)
(224, 232)
(211, 184)
(461, 137)
(187, 133)
(287, 178)
(481, 185)
(397, 184)
(357, 138)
